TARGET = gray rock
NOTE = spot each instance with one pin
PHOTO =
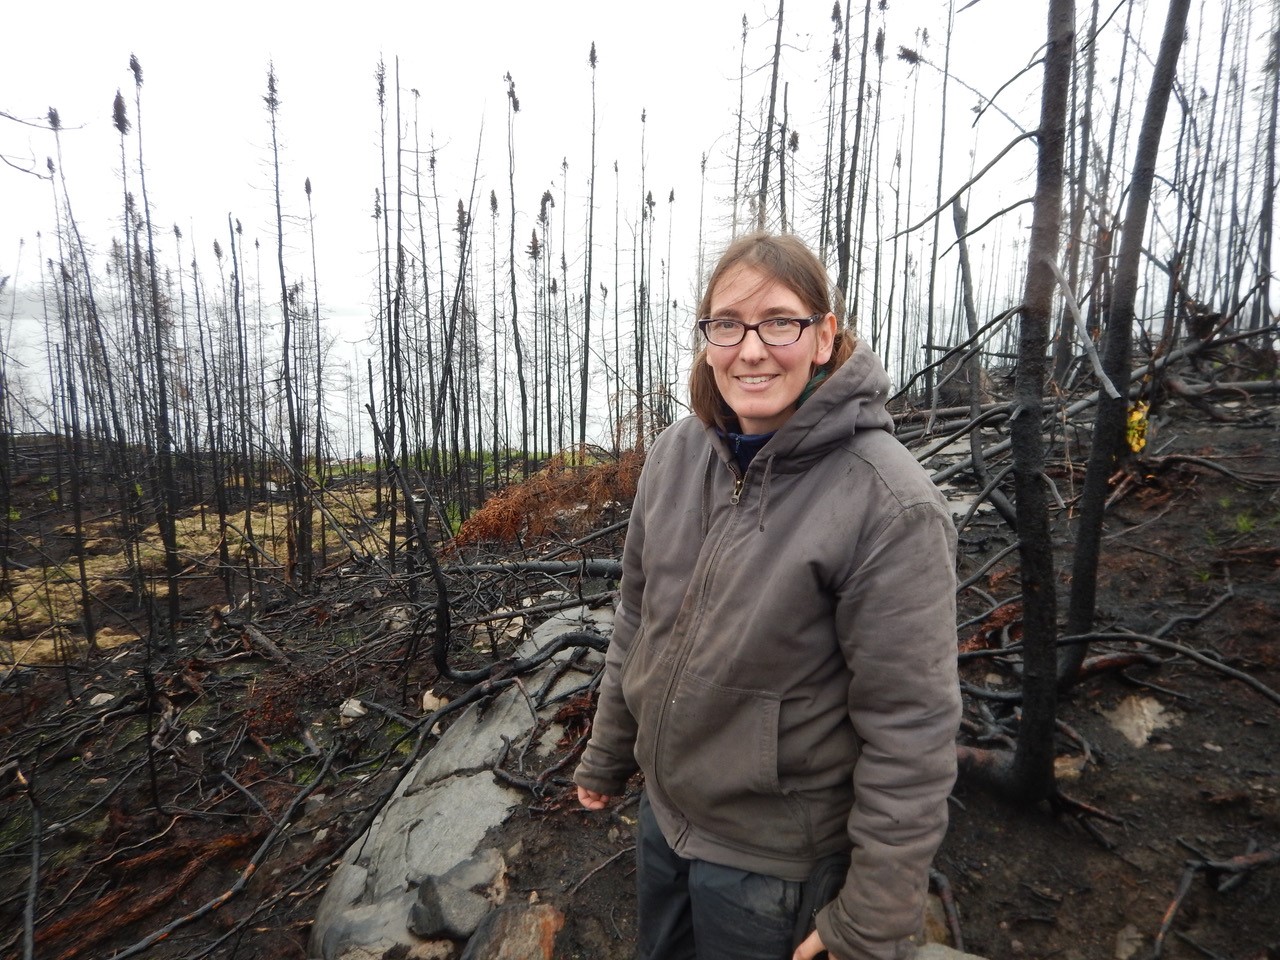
(453, 905)
(428, 833)
(575, 618)
(378, 925)
(344, 892)
(484, 873)
(474, 741)
(446, 910)
(415, 881)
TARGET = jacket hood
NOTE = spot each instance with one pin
(849, 401)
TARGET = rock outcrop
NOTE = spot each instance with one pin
(419, 881)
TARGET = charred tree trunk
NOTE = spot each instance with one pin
(167, 510)
(213, 413)
(318, 427)
(1109, 428)
(513, 107)
(1031, 773)
(761, 218)
(844, 244)
(245, 408)
(1261, 315)
(76, 462)
(585, 377)
(737, 149)
(298, 528)
(929, 317)
(1075, 238)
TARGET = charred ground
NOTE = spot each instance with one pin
(218, 844)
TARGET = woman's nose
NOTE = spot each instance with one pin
(753, 346)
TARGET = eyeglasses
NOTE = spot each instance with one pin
(774, 332)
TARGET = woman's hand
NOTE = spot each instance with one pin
(592, 800)
(810, 947)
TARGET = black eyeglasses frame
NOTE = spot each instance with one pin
(805, 323)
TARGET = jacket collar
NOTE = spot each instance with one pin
(849, 401)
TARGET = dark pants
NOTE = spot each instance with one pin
(693, 910)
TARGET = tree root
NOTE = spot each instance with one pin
(1236, 867)
(594, 870)
(1117, 662)
(245, 875)
(1195, 655)
(993, 770)
(942, 887)
(107, 915)
(1085, 814)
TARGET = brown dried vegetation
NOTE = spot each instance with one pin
(562, 497)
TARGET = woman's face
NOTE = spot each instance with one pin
(761, 384)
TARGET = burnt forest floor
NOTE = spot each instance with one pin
(219, 840)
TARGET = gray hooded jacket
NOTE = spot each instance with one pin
(783, 664)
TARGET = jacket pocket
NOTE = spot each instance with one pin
(717, 759)
(637, 641)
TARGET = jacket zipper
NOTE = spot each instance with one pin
(677, 669)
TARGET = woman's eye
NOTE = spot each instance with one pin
(723, 325)
(782, 323)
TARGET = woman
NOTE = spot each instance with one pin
(783, 664)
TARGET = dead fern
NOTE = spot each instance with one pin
(564, 497)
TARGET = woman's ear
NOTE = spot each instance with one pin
(826, 333)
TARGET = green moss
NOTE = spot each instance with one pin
(15, 827)
(71, 854)
(348, 638)
(195, 714)
(133, 731)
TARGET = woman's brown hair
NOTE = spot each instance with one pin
(787, 260)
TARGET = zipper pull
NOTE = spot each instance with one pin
(737, 491)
